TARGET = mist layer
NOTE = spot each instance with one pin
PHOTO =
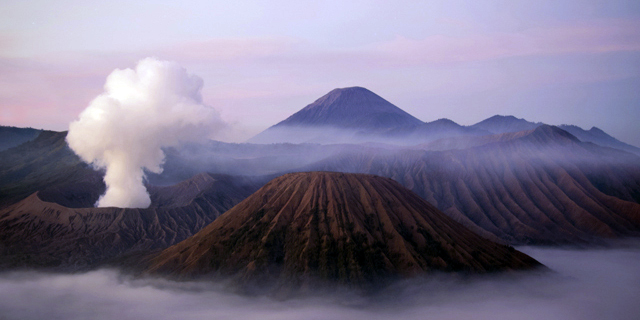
(585, 284)
(123, 130)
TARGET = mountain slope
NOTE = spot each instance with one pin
(39, 233)
(341, 227)
(542, 186)
(11, 136)
(357, 115)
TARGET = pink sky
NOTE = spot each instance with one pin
(575, 62)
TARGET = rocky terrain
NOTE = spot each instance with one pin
(38, 232)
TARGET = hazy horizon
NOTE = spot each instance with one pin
(557, 62)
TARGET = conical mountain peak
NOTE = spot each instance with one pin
(351, 108)
(350, 228)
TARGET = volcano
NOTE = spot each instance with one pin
(342, 115)
(345, 228)
(353, 107)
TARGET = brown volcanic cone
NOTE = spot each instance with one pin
(351, 228)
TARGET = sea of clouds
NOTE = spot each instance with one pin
(585, 284)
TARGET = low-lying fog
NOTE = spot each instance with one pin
(587, 284)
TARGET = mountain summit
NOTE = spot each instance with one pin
(338, 116)
(348, 228)
(504, 124)
(353, 107)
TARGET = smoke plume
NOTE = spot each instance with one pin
(124, 129)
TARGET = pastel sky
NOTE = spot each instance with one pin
(574, 62)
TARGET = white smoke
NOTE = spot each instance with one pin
(141, 111)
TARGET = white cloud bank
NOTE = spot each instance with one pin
(587, 284)
(141, 111)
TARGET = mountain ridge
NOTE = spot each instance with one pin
(542, 186)
(505, 123)
(357, 115)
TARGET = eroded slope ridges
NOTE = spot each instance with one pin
(541, 187)
(349, 228)
(39, 233)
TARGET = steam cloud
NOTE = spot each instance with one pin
(141, 111)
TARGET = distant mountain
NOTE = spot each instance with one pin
(337, 117)
(39, 232)
(541, 186)
(550, 134)
(356, 115)
(347, 228)
(469, 141)
(11, 136)
(353, 107)
(598, 136)
(443, 128)
(503, 124)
